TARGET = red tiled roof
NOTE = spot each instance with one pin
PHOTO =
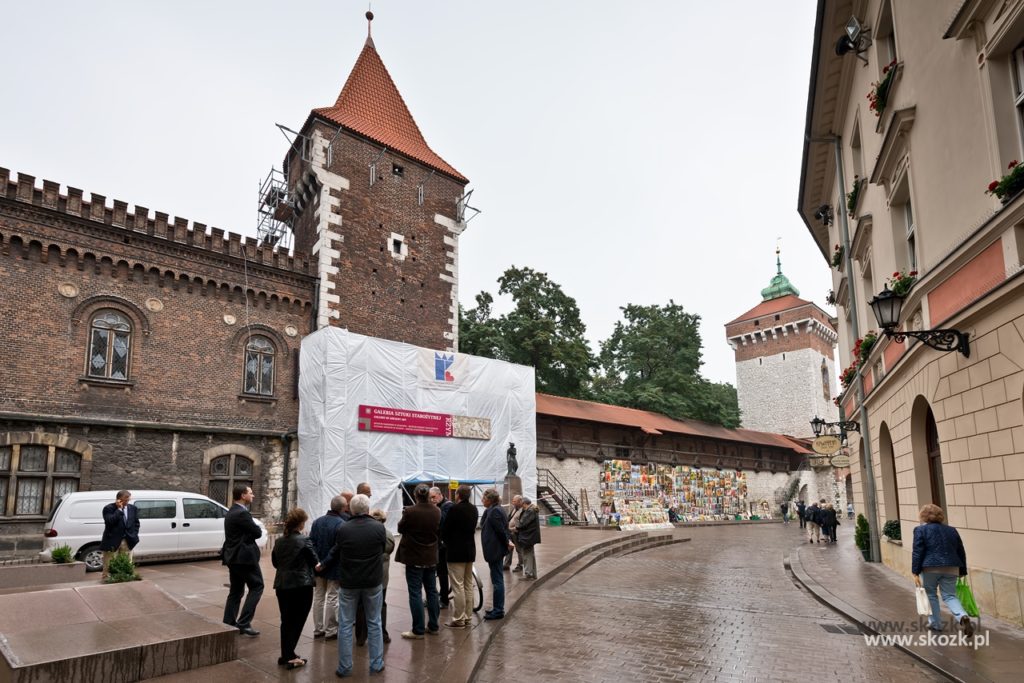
(656, 423)
(772, 306)
(371, 106)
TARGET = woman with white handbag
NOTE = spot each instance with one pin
(938, 559)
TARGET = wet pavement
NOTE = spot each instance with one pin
(719, 608)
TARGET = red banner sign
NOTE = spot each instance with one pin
(401, 421)
(419, 423)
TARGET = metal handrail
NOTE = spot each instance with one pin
(546, 477)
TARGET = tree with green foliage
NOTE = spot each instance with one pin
(652, 362)
(543, 330)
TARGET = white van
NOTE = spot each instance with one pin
(170, 523)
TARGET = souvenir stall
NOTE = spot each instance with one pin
(632, 495)
(639, 496)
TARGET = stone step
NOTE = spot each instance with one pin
(108, 632)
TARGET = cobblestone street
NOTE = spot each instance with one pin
(719, 608)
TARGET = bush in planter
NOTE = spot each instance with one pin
(122, 569)
(62, 554)
(862, 535)
(892, 530)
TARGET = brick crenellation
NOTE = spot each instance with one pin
(136, 219)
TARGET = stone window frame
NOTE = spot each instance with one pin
(88, 310)
(232, 449)
(403, 246)
(11, 476)
(115, 329)
(239, 343)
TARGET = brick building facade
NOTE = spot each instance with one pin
(143, 351)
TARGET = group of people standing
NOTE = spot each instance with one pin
(340, 570)
(820, 519)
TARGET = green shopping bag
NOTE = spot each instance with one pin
(966, 597)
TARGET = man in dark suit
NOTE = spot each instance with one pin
(496, 544)
(458, 533)
(444, 587)
(419, 527)
(120, 528)
(242, 556)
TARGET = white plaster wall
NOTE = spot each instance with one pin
(782, 392)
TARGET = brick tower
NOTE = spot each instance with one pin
(378, 212)
(785, 367)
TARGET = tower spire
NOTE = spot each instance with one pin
(780, 285)
(369, 26)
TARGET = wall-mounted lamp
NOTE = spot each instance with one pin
(887, 307)
(818, 425)
(857, 39)
(824, 214)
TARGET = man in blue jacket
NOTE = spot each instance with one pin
(496, 544)
(325, 591)
(120, 528)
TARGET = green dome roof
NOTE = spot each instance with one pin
(780, 285)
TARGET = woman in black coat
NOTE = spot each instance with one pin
(529, 536)
(829, 522)
(294, 559)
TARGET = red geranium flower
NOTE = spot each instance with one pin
(1012, 164)
(993, 185)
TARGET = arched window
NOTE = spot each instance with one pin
(259, 367)
(33, 477)
(110, 336)
(225, 472)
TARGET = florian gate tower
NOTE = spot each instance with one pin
(785, 367)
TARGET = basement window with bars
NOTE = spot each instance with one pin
(33, 477)
(259, 367)
(110, 342)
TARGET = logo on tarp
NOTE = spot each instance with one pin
(442, 364)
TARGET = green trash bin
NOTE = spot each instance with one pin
(555, 520)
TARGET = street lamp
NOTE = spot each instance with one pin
(818, 425)
(888, 305)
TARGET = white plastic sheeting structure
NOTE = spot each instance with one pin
(340, 371)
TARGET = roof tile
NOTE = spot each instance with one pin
(656, 423)
(370, 105)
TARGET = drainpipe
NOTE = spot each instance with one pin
(865, 438)
(286, 439)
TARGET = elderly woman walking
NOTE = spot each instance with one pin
(940, 557)
(529, 536)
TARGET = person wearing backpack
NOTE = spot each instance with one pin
(813, 526)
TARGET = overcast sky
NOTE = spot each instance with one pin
(635, 152)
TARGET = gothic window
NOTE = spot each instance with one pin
(259, 367)
(33, 477)
(825, 390)
(225, 472)
(110, 336)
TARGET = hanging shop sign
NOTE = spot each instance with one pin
(827, 444)
(841, 460)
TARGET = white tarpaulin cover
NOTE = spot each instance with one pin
(339, 371)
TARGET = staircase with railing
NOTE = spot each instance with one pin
(555, 497)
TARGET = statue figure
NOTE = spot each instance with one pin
(510, 456)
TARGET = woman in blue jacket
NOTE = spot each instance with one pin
(939, 555)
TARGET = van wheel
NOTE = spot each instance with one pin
(92, 556)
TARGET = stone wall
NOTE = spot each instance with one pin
(127, 458)
(780, 393)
